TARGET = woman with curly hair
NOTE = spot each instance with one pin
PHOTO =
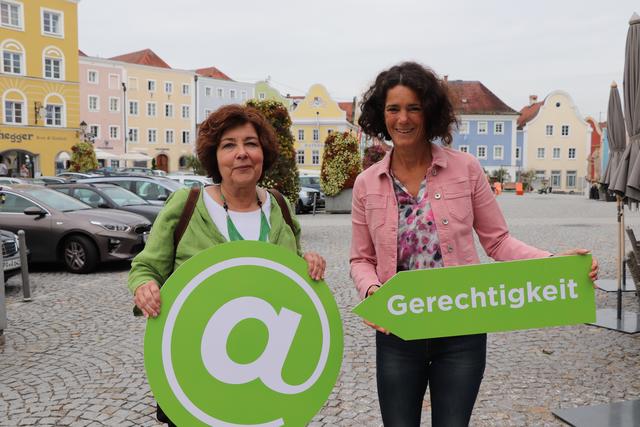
(236, 145)
(416, 209)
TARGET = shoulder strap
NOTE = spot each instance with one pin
(284, 207)
(187, 212)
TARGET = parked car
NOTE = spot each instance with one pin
(76, 175)
(48, 180)
(306, 198)
(154, 190)
(109, 196)
(59, 228)
(10, 254)
(311, 181)
(146, 171)
(11, 180)
(191, 180)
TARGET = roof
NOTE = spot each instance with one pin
(528, 113)
(213, 72)
(472, 97)
(81, 53)
(142, 57)
(348, 108)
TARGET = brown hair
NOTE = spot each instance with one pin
(229, 117)
(432, 92)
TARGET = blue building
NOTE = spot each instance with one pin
(215, 89)
(487, 126)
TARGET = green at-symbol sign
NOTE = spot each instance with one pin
(244, 338)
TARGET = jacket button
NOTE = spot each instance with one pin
(449, 248)
(437, 196)
(434, 172)
(445, 221)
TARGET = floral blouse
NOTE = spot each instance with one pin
(418, 243)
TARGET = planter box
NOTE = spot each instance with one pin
(340, 203)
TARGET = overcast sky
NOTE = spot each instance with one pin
(515, 48)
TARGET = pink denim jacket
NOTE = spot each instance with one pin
(461, 200)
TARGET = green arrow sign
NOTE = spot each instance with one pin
(245, 338)
(473, 299)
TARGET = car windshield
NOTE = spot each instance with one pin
(310, 181)
(57, 200)
(171, 184)
(122, 197)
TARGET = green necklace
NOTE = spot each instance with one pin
(234, 234)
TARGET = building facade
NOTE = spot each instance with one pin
(215, 89)
(39, 84)
(556, 141)
(594, 170)
(313, 119)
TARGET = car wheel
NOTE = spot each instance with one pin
(80, 255)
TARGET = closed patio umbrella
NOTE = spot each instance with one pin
(632, 102)
(616, 133)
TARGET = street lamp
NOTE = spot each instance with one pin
(86, 137)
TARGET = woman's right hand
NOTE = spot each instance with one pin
(370, 292)
(147, 298)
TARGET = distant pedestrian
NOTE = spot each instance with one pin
(24, 171)
(4, 170)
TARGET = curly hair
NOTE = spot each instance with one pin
(229, 117)
(439, 116)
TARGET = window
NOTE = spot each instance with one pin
(556, 153)
(498, 128)
(168, 136)
(94, 130)
(207, 113)
(517, 153)
(300, 134)
(207, 91)
(540, 175)
(15, 204)
(564, 130)
(151, 109)
(300, 157)
(13, 112)
(92, 76)
(54, 115)
(315, 157)
(133, 108)
(186, 111)
(232, 93)
(114, 104)
(114, 81)
(52, 23)
(220, 92)
(540, 153)
(572, 153)
(185, 89)
(12, 62)
(482, 128)
(498, 151)
(243, 95)
(316, 135)
(52, 68)
(133, 134)
(262, 96)
(133, 83)
(152, 136)
(90, 197)
(464, 128)
(11, 14)
(464, 148)
(481, 152)
(114, 132)
(548, 130)
(186, 137)
(168, 110)
(571, 179)
(168, 87)
(329, 131)
(556, 178)
(94, 103)
(151, 85)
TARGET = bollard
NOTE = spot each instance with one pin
(314, 203)
(3, 307)
(24, 266)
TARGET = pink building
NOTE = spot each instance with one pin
(102, 104)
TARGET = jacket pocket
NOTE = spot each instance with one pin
(457, 196)
(375, 210)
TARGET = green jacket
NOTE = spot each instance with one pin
(155, 262)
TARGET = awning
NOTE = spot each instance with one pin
(104, 155)
(134, 156)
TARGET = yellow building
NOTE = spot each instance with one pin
(38, 84)
(313, 119)
(160, 110)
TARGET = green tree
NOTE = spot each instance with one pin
(192, 161)
(283, 175)
(340, 163)
(500, 175)
(527, 178)
(83, 158)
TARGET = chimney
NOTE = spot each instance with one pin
(533, 99)
(446, 78)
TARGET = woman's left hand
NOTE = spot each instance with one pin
(316, 265)
(593, 273)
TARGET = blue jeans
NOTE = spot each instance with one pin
(452, 367)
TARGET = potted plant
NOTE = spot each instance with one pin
(340, 167)
(83, 158)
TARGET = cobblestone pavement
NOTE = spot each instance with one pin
(73, 356)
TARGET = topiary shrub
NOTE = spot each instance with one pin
(372, 155)
(83, 158)
(340, 163)
(283, 175)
